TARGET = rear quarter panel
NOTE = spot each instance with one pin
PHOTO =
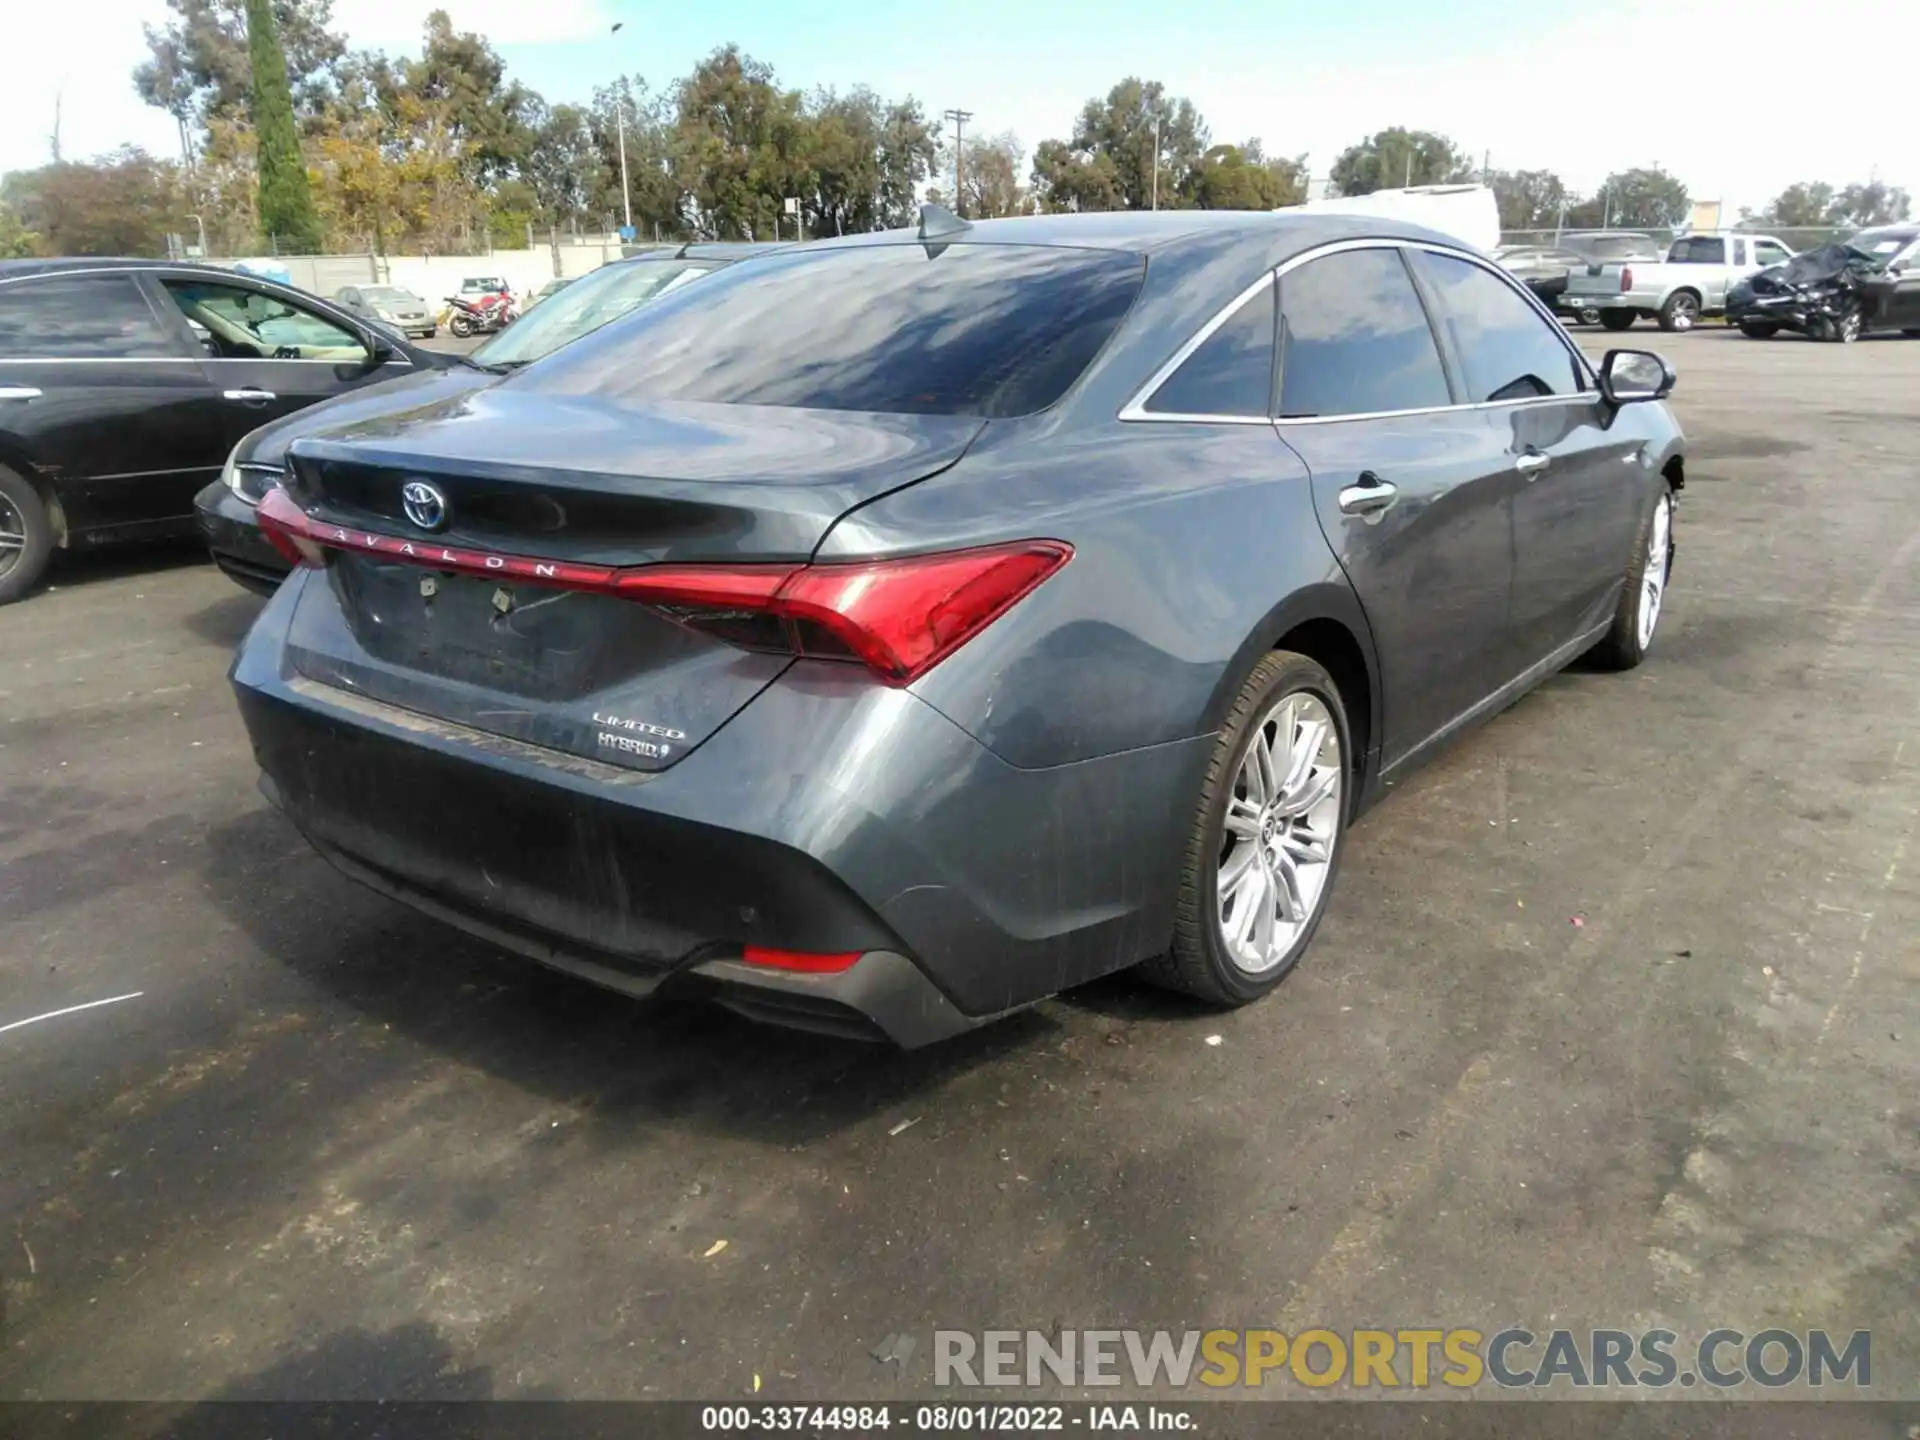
(1189, 540)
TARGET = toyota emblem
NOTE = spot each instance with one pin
(424, 504)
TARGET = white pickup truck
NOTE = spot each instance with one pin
(1691, 282)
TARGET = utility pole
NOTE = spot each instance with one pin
(959, 119)
(1156, 162)
(54, 139)
(620, 128)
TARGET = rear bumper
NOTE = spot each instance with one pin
(830, 816)
(232, 532)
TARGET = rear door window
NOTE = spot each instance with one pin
(956, 329)
(1354, 339)
(1230, 373)
(1507, 350)
(1765, 252)
(1698, 250)
(80, 317)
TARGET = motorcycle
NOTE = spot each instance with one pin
(480, 315)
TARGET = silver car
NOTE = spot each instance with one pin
(401, 309)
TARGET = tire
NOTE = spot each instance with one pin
(1759, 330)
(1913, 334)
(1589, 316)
(1626, 643)
(1681, 311)
(1848, 328)
(26, 536)
(1286, 694)
(460, 326)
(1618, 319)
(433, 332)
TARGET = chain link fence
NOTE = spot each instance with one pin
(1795, 238)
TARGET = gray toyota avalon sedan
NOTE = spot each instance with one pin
(906, 627)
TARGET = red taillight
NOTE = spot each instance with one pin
(801, 960)
(1626, 278)
(900, 616)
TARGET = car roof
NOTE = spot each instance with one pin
(1275, 234)
(14, 269)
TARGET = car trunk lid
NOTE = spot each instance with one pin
(468, 617)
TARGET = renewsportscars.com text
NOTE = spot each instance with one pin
(1402, 1359)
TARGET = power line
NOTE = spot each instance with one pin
(959, 119)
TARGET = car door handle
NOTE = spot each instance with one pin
(1532, 463)
(248, 395)
(1370, 498)
(18, 392)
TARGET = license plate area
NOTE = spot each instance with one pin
(527, 640)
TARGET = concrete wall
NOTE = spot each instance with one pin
(434, 277)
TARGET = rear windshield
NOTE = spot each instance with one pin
(983, 330)
(1616, 247)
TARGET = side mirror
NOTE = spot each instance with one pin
(380, 347)
(1630, 375)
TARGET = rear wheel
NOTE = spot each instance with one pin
(1644, 595)
(1618, 319)
(1759, 330)
(1266, 836)
(1681, 311)
(26, 536)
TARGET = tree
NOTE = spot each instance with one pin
(1109, 164)
(1529, 199)
(1228, 178)
(562, 164)
(1875, 203)
(16, 241)
(199, 64)
(126, 203)
(1805, 204)
(285, 203)
(738, 138)
(1398, 157)
(1642, 199)
(990, 181)
(460, 81)
(653, 159)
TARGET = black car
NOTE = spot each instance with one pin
(226, 507)
(1837, 292)
(125, 383)
(1542, 269)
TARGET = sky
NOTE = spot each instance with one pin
(1580, 90)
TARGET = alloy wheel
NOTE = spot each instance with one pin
(1653, 580)
(13, 535)
(1684, 310)
(1278, 833)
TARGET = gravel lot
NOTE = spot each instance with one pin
(333, 1149)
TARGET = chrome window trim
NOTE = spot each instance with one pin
(1491, 267)
(1136, 408)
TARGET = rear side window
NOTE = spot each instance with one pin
(986, 330)
(1231, 373)
(1765, 252)
(1506, 349)
(79, 317)
(1699, 250)
(1354, 339)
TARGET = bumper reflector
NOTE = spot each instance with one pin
(801, 960)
